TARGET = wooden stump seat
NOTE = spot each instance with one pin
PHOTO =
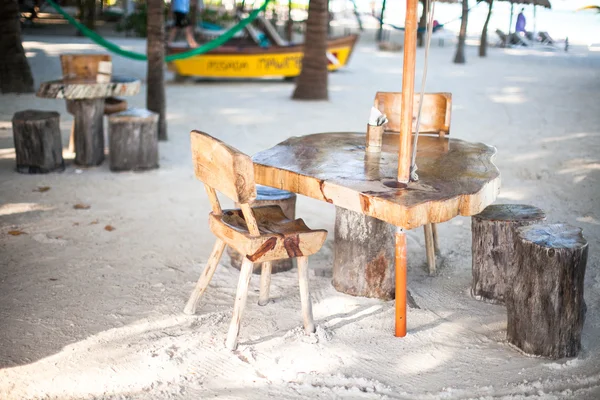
(545, 304)
(38, 143)
(262, 234)
(493, 231)
(266, 196)
(363, 255)
(133, 140)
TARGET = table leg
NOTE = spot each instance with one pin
(400, 283)
(89, 131)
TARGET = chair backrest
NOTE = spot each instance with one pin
(435, 115)
(82, 66)
(223, 168)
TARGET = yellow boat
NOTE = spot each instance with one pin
(230, 61)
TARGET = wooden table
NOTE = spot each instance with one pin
(87, 98)
(456, 177)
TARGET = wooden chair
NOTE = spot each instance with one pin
(261, 234)
(435, 119)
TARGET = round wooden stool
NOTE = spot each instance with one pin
(545, 305)
(133, 140)
(267, 196)
(493, 232)
(38, 144)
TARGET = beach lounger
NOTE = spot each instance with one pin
(503, 38)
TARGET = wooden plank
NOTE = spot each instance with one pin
(205, 278)
(435, 115)
(82, 66)
(222, 167)
(456, 177)
(89, 89)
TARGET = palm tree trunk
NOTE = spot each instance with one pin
(155, 94)
(15, 74)
(290, 24)
(312, 82)
(460, 48)
(90, 14)
(422, 25)
(483, 42)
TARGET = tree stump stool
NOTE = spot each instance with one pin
(38, 143)
(88, 131)
(266, 196)
(545, 304)
(363, 261)
(493, 232)
(133, 140)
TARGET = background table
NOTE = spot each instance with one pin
(88, 109)
(456, 177)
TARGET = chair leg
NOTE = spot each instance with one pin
(241, 295)
(204, 280)
(265, 283)
(435, 239)
(429, 248)
(307, 315)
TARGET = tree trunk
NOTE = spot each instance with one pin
(15, 74)
(380, 30)
(38, 144)
(90, 14)
(545, 304)
(363, 261)
(483, 42)
(422, 25)
(133, 141)
(493, 232)
(155, 92)
(462, 36)
(312, 82)
(290, 24)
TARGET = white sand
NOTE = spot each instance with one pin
(89, 314)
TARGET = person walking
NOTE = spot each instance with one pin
(180, 10)
(520, 27)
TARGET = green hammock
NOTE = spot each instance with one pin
(213, 44)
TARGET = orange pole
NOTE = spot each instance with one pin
(400, 283)
(408, 90)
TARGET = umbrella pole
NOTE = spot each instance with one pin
(408, 90)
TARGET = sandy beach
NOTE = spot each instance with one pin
(88, 313)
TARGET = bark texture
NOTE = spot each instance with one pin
(133, 140)
(312, 81)
(89, 131)
(155, 95)
(493, 233)
(363, 261)
(545, 305)
(15, 74)
(38, 144)
(459, 58)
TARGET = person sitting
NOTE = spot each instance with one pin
(180, 10)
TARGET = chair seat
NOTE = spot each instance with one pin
(279, 237)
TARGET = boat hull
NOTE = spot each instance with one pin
(256, 62)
